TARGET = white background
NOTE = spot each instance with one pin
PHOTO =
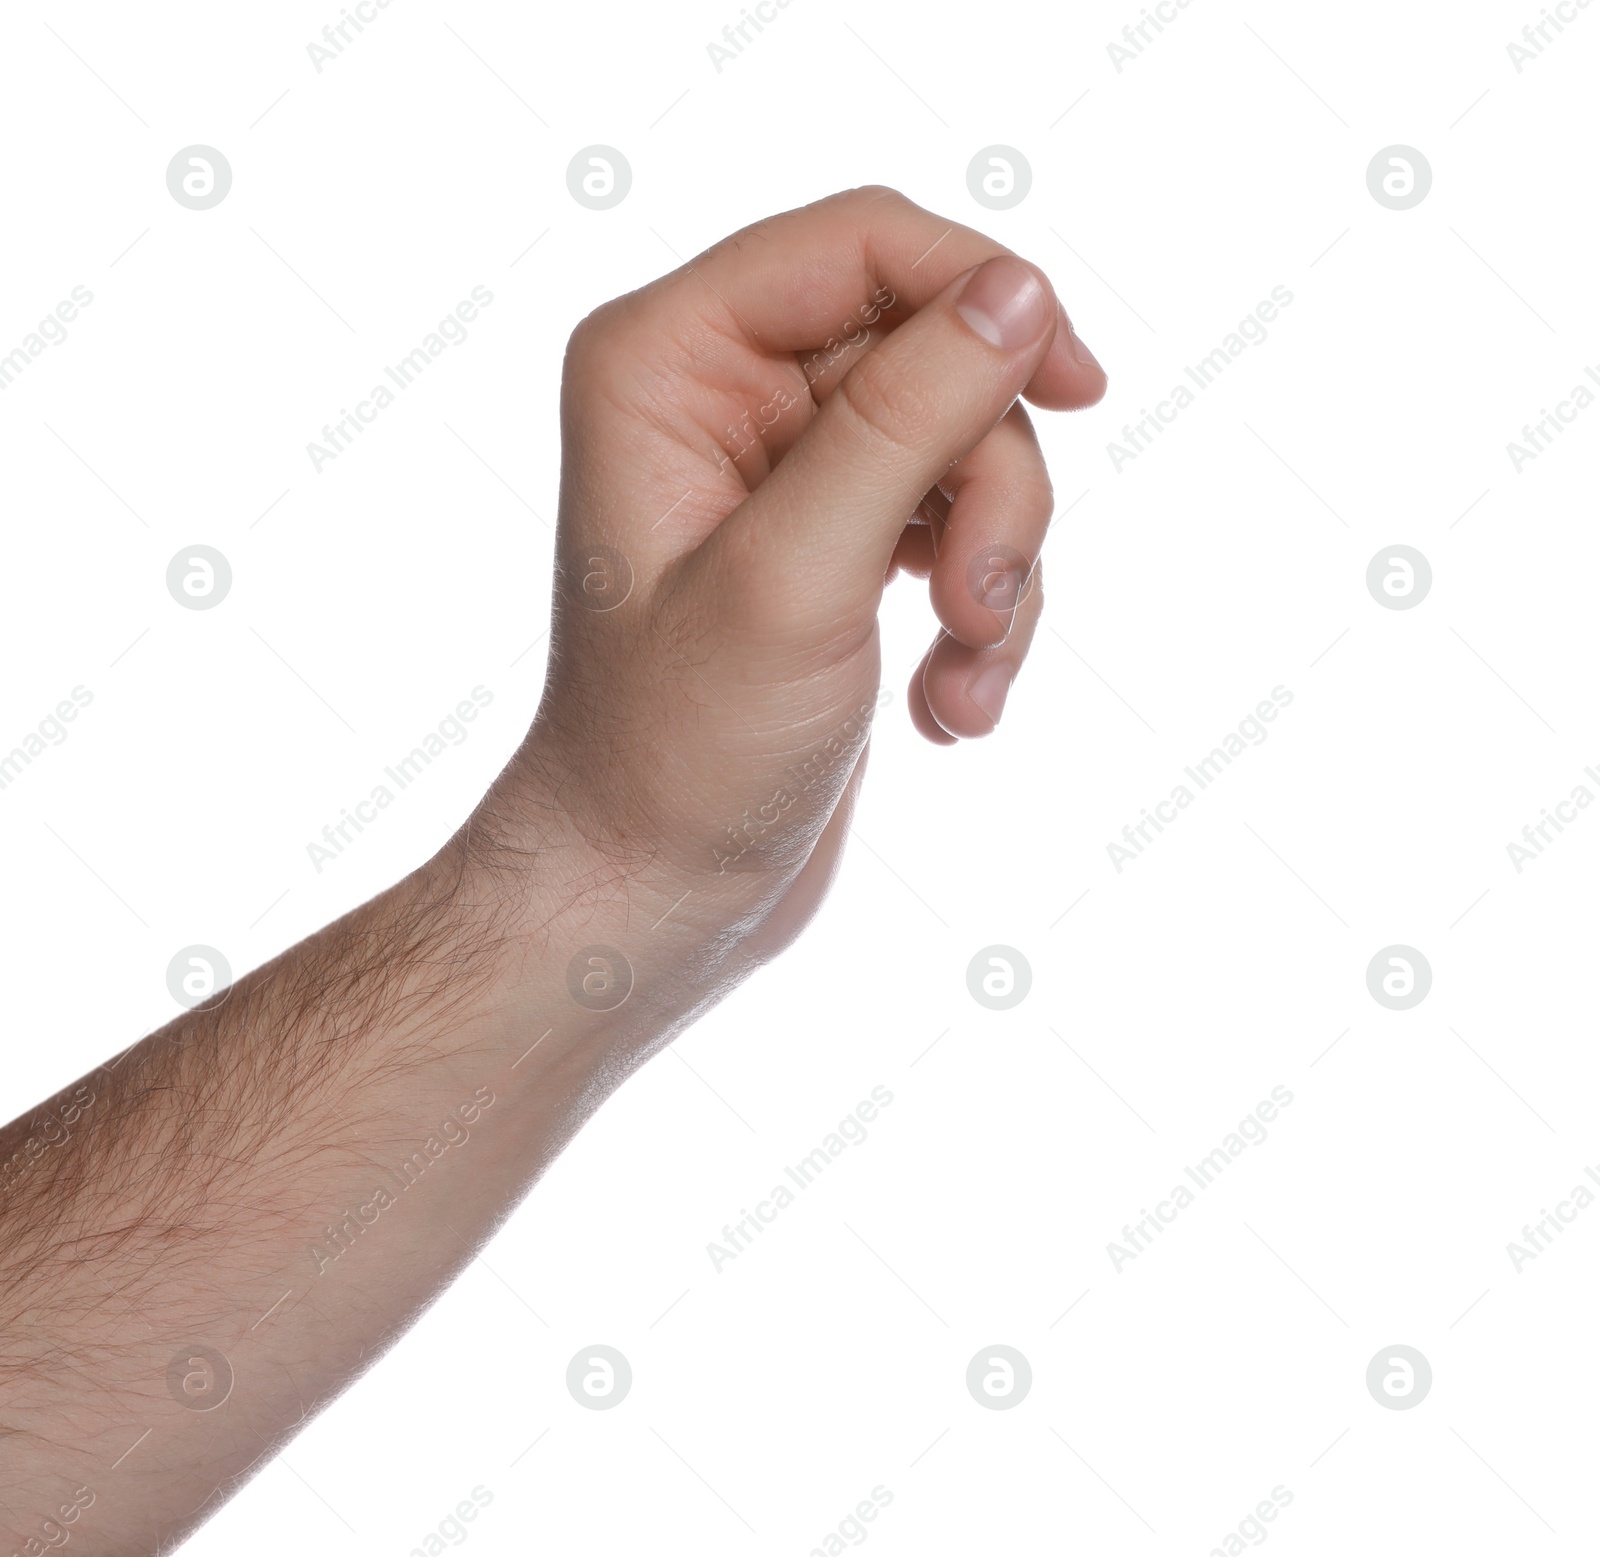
(1168, 199)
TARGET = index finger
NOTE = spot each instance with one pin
(792, 281)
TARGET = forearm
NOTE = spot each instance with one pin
(261, 1196)
(286, 1178)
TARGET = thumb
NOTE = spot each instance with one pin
(818, 533)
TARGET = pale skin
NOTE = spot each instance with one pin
(753, 446)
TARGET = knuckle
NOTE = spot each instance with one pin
(863, 195)
(877, 194)
(594, 336)
(1019, 483)
(1038, 495)
(887, 402)
(1033, 589)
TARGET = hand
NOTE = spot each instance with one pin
(256, 1180)
(752, 447)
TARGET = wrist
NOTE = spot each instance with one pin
(609, 943)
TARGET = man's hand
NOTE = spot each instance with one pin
(253, 1202)
(753, 445)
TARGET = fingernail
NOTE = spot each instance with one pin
(989, 690)
(1086, 357)
(1004, 303)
